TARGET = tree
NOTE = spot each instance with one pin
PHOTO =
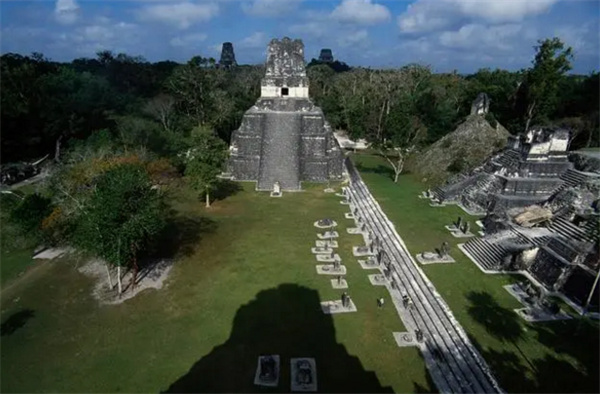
(122, 216)
(205, 160)
(550, 64)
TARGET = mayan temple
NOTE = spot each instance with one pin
(284, 137)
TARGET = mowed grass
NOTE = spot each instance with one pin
(539, 357)
(245, 284)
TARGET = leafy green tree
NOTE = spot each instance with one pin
(205, 161)
(122, 216)
(552, 61)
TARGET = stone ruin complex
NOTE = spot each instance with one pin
(326, 56)
(227, 56)
(481, 105)
(542, 215)
(284, 138)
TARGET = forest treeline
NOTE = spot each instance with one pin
(44, 104)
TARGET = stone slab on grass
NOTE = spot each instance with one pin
(275, 383)
(378, 280)
(321, 250)
(534, 315)
(436, 260)
(332, 307)
(326, 258)
(328, 235)
(359, 251)
(329, 190)
(343, 284)
(368, 264)
(295, 386)
(328, 269)
(404, 339)
(345, 202)
(349, 215)
(326, 244)
(317, 225)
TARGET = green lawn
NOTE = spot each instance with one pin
(541, 357)
(244, 284)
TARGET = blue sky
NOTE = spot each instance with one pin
(447, 34)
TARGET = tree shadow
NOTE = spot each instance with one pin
(500, 322)
(226, 188)
(430, 388)
(180, 236)
(547, 374)
(16, 321)
(287, 321)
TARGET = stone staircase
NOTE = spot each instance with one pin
(562, 226)
(571, 178)
(280, 161)
(508, 159)
(488, 252)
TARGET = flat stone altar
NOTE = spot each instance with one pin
(268, 377)
(303, 374)
(433, 258)
(329, 269)
(332, 307)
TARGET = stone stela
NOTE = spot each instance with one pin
(284, 137)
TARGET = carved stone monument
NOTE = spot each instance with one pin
(267, 371)
(284, 137)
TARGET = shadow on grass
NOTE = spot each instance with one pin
(15, 321)
(287, 321)
(226, 188)
(181, 236)
(546, 374)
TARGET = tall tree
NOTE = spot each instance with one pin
(122, 216)
(552, 60)
(205, 161)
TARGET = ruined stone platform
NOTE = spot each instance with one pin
(368, 264)
(435, 259)
(378, 280)
(354, 230)
(333, 224)
(294, 375)
(324, 258)
(275, 383)
(321, 250)
(331, 307)
(328, 235)
(328, 269)
(534, 315)
(358, 251)
(326, 244)
(460, 234)
(404, 339)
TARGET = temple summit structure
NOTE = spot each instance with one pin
(227, 56)
(284, 138)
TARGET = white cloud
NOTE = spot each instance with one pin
(188, 40)
(361, 12)
(310, 29)
(356, 39)
(501, 37)
(180, 14)
(435, 15)
(270, 8)
(66, 12)
(255, 40)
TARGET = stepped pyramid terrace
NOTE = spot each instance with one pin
(542, 215)
(284, 138)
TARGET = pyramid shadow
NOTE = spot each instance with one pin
(287, 321)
